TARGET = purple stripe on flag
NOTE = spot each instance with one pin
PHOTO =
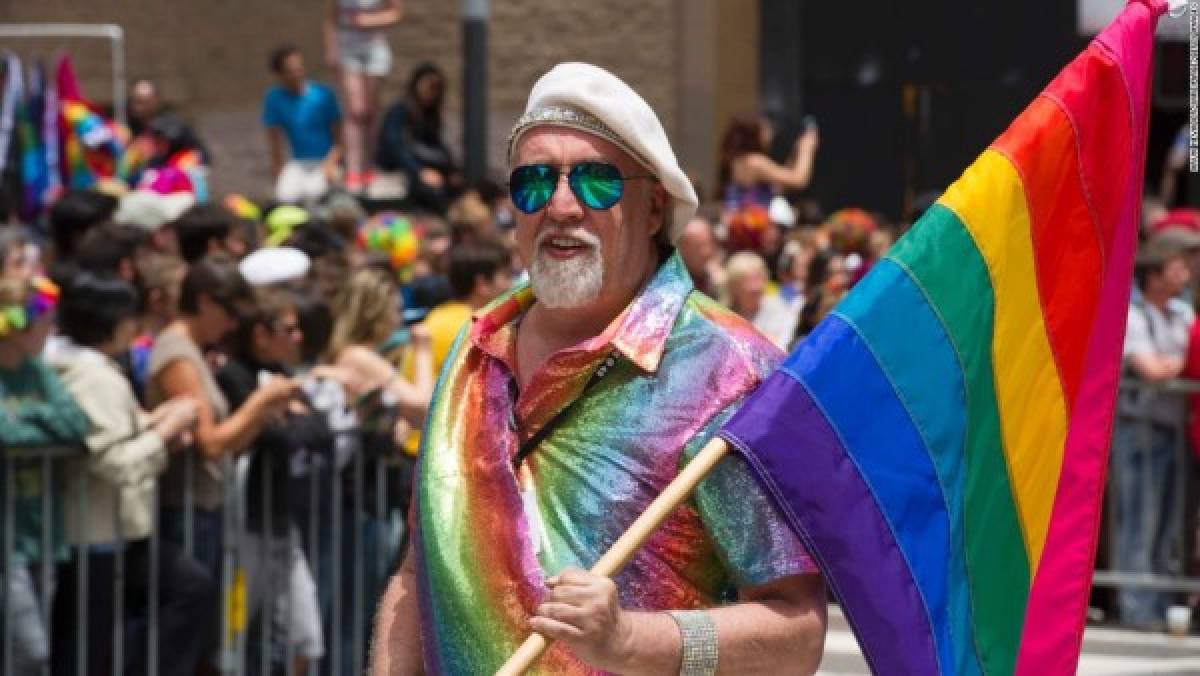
(780, 427)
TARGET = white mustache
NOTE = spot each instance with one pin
(580, 234)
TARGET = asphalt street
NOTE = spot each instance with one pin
(1106, 652)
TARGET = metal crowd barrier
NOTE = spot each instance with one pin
(322, 546)
(1180, 578)
(323, 542)
(44, 458)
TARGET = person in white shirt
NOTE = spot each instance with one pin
(1146, 517)
(127, 451)
(748, 295)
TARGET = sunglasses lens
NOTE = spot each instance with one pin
(597, 184)
(531, 186)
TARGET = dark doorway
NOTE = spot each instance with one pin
(907, 94)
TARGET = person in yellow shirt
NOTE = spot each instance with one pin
(479, 273)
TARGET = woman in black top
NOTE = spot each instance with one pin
(410, 140)
(268, 342)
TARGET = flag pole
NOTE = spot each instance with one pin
(627, 545)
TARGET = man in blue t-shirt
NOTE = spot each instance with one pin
(307, 113)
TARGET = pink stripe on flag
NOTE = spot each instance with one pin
(1053, 631)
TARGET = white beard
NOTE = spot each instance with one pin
(569, 283)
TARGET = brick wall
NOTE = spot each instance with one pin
(210, 58)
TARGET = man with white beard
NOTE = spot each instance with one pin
(567, 406)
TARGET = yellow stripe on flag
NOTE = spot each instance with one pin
(990, 200)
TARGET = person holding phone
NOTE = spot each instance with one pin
(750, 179)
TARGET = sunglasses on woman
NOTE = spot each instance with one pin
(598, 185)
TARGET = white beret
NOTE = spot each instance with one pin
(273, 265)
(591, 99)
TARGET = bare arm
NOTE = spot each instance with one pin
(180, 378)
(423, 375)
(777, 628)
(275, 146)
(389, 15)
(366, 370)
(396, 642)
(1168, 185)
(329, 33)
(1174, 164)
(794, 176)
(1156, 368)
(334, 156)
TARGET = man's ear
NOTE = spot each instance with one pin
(658, 208)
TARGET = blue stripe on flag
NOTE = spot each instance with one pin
(912, 346)
(847, 382)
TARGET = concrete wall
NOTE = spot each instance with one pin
(210, 60)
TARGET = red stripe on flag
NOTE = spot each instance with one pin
(1066, 247)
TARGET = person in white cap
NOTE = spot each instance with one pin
(274, 265)
(154, 213)
(567, 406)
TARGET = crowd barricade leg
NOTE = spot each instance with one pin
(335, 561)
(286, 610)
(314, 539)
(81, 590)
(267, 607)
(1179, 473)
(359, 517)
(46, 582)
(118, 630)
(233, 573)
(189, 503)
(152, 591)
(380, 558)
(9, 562)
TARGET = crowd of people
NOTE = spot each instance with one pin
(183, 338)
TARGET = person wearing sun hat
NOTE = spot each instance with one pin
(567, 405)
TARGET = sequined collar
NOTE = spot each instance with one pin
(639, 333)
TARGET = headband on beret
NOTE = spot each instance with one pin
(563, 116)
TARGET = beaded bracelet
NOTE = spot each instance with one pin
(699, 636)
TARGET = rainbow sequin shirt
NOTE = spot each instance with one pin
(684, 364)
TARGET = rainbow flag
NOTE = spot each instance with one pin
(35, 178)
(91, 144)
(940, 441)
